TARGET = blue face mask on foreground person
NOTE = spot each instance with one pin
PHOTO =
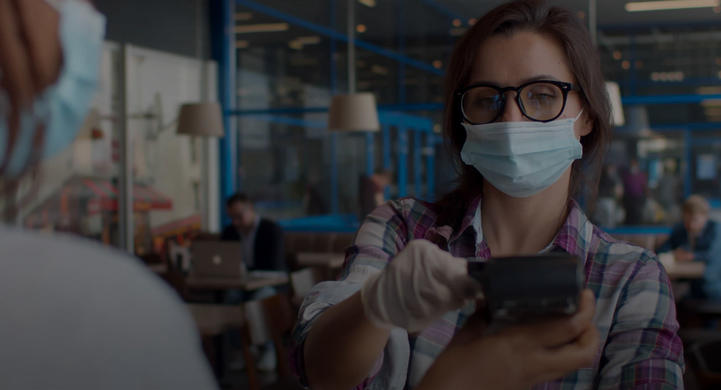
(61, 108)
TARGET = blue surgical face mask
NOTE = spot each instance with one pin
(61, 108)
(521, 159)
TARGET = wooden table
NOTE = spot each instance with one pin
(681, 269)
(686, 270)
(249, 283)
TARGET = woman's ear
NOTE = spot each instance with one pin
(583, 125)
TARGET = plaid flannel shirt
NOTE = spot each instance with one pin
(635, 311)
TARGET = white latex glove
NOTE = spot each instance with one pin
(417, 287)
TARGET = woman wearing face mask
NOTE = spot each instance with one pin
(76, 315)
(527, 118)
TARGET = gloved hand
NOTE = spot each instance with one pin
(417, 287)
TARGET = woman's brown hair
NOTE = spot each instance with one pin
(568, 30)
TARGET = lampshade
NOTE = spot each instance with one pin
(201, 119)
(353, 112)
(614, 96)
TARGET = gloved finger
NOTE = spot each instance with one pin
(564, 330)
(39, 25)
(446, 269)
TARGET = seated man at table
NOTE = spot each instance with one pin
(261, 238)
(262, 245)
(698, 238)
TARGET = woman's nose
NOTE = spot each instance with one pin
(511, 110)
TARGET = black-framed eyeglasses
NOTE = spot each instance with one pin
(540, 100)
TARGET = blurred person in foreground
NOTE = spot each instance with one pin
(527, 118)
(76, 315)
(698, 238)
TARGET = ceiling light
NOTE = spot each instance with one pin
(437, 64)
(638, 6)
(617, 55)
(263, 27)
(456, 23)
(243, 16)
(368, 3)
(709, 90)
(377, 69)
(472, 21)
(456, 32)
(361, 28)
(310, 40)
(625, 64)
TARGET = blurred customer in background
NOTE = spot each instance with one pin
(77, 315)
(262, 244)
(610, 190)
(668, 191)
(261, 238)
(634, 193)
(698, 238)
(371, 190)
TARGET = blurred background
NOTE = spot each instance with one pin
(139, 177)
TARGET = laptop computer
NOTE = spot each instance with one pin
(217, 259)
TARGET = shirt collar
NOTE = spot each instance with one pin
(574, 236)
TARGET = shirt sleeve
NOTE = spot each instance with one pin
(643, 347)
(382, 235)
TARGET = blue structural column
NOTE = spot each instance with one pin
(333, 136)
(386, 144)
(369, 153)
(430, 152)
(222, 13)
(402, 161)
(687, 144)
(417, 164)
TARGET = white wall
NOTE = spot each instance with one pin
(159, 82)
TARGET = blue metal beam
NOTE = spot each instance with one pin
(386, 145)
(223, 19)
(417, 165)
(687, 167)
(669, 99)
(369, 153)
(697, 126)
(330, 33)
(307, 110)
(334, 206)
(430, 152)
(402, 150)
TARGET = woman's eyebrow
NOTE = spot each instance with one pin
(524, 81)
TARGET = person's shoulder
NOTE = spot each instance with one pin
(71, 266)
(103, 304)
